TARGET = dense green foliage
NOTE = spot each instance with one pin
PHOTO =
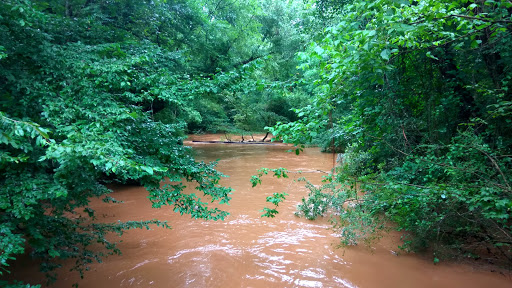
(94, 92)
(414, 93)
(417, 96)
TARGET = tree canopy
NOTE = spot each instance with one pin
(415, 94)
(95, 92)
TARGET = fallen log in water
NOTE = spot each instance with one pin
(233, 142)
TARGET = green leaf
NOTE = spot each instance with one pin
(429, 54)
(148, 169)
(385, 54)
(319, 50)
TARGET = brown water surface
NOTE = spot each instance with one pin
(246, 250)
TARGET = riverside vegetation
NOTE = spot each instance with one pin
(414, 93)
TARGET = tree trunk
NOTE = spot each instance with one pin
(69, 10)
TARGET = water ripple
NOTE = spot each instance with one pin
(228, 249)
(344, 282)
(137, 266)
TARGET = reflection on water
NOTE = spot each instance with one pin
(246, 250)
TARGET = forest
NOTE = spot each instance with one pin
(412, 94)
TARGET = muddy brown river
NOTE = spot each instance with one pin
(246, 250)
